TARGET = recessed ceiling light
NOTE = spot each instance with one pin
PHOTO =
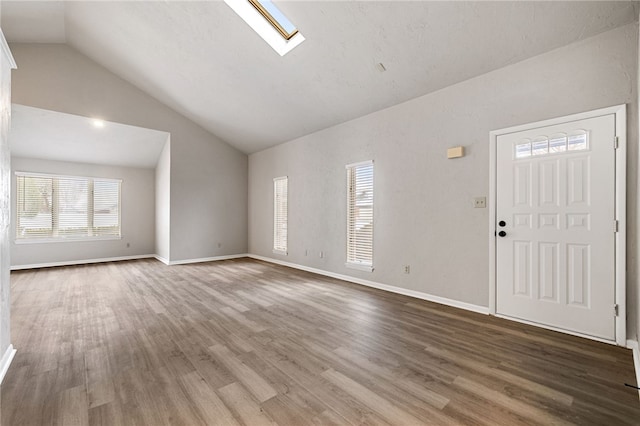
(98, 123)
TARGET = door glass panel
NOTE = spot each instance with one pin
(540, 147)
(523, 150)
(557, 144)
(578, 142)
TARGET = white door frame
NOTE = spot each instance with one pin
(620, 112)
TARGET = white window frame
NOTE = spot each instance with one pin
(280, 240)
(54, 238)
(351, 261)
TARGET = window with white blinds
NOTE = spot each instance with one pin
(51, 207)
(280, 189)
(360, 215)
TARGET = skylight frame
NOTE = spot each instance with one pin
(273, 21)
(252, 17)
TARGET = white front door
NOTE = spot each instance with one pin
(555, 214)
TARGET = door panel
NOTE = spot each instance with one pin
(556, 192)
(549, 272)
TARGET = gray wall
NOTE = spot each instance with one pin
(208, 195)
(137, 215)
(163, 203)
(423, 202)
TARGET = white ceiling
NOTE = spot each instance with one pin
(50, 135)
(203, 61)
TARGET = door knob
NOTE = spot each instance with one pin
(502, 234)
(502, 223)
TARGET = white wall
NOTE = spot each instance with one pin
(5, 181)
(163, 203)
(423, 202)
(137, 215)
(208, 194)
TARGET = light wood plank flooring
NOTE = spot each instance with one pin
(246, 342)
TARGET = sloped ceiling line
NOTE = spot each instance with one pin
(200, 59)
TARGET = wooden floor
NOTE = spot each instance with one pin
(246, 342)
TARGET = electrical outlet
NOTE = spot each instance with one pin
(306, 252)
(321, 254)
(407, 269)
(128, 245)
(480, 202)
(219, 245)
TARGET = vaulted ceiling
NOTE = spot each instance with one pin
(203, 61)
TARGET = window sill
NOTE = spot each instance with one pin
(282, 252)
(359, 266)
(64, 240)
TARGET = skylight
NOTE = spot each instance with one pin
(275, 18)
(270, 24)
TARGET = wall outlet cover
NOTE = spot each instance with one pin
(480, 202)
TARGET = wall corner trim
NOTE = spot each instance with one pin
(380, 286)
(4, 46)
(5, 362)
(633, 345)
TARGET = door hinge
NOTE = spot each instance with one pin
(615, 226)
(615, 142)
(615, 310)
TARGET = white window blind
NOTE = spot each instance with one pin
(360, 215)
(280, 189)
(106, 207)
(66, 207)
(72, 201)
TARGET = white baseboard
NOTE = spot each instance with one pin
(559, 330)
(203, 259)
(80, 262)
(380, 286)
(161, 259)
(116, 259)
(5, 362)
(633, 345)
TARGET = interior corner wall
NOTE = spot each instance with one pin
(424, 215)
(208, 188)
(163, 203)
(137, 216)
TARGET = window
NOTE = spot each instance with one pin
(57, 208)
(559, 143)
(276, 18)
(280, 189)
(269, 23)
(360, 216)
